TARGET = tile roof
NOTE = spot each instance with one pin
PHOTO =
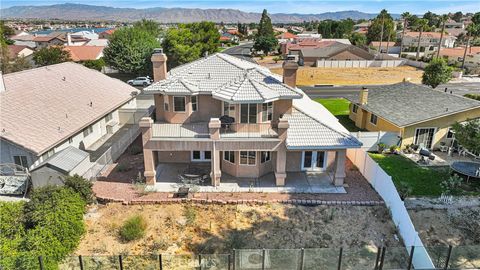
(14, 50)
(334, 49)
(82, 53)
(66, 160)
(427, 34)
(384, 43)
(43, 107)
(227, 78)
(404, 104)
(312, 126)
(459, 51)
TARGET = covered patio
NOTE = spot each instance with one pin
(168, 180)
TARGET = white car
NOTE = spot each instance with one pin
(144, 81)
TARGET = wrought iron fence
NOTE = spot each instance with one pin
(369, 257)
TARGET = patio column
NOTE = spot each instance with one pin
(214, 128)
(148, 154)
(281, 160)
(339, 176)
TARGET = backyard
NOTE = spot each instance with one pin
(186, 228)
(340, 108)
(421, 181)
(354, 76)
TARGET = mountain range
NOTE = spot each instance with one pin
(165, 15)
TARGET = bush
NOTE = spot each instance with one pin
(473, 96)
(190, 214)
(97, 64)
(50, 224)
(81, 186)
(133, 229)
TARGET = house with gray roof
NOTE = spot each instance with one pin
(421, 115)
(240, 121)
(334, 51)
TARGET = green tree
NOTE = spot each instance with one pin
(457, 16)
(358, 39)
(190, 41)
(432, 18)
(81, 186)
(5, 33)
(420, 25)
(150, 26)
(405, 17)
(51, 55)
(265, 44)
(382, 28)
(468, 134)
(130, 49)
(442, 20)
(97, 64)
(265, 27)
(437, 72)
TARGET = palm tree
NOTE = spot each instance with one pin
(443, 20)
(420, 25)
(473, 31)
(405, 17)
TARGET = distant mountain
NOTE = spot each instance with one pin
(164, 15)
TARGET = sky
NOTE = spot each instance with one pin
(280, 6)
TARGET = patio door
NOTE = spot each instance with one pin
(313, 160)
(424, 136)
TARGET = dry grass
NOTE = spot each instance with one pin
(352, 76)
(182, 228)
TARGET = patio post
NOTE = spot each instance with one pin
(146, 124)
(340, 158)
(281, 160)
(214, 128)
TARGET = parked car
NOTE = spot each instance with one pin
(145, 81)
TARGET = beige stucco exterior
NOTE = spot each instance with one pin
(441, 125)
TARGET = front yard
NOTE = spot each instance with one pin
(340, 108)
(422, 181)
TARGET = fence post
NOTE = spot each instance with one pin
(234, 259)
(120, 261)
(340, 259)
(449, 254)
(410, 259)
(80, 261)
(40, 262)
(302, 258)
(229, 261)
(377, 260)
(200, 261)
(384, 249)
(263, 259)
(160, 261)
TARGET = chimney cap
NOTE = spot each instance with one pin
(158, 50)
(364, 88)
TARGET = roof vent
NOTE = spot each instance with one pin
(91, 104)
(64, 79)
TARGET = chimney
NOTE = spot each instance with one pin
(290, 73)
(69, 39)
(363, 96)
(159, 61)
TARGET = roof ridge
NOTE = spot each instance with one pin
(38, 68)
(224, 57)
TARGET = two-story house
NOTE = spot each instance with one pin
(428, 42)
(242, 120)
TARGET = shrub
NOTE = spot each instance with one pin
(97, 64)
(473, 96)
(449, 185)
(133, 229)
(404, 190)
(190, 214)
(81, 186)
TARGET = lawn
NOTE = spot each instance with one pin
(354, 76)
(340, 108)
(423, 181)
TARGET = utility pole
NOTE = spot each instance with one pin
(465, 52)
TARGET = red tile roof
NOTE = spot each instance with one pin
(287, 35)
(83, 53)
(459, 51)
(14, 50)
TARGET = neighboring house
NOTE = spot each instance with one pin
(15, 51)
(391, 46)
(106, 34)
(286, 36)
(335, 51)
(361, 27)
(47, 41)
(421, 114)
(90, 35)
(454, 55)
(428, 43)
(83, 53)
(227, 37)
(98, 42)
(24, 39)
(45, 110)
(293, 47)
(265, 122)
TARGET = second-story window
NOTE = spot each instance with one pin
(248, 113)
(87, 131)
(355, 108)
(194, 101)
(179, 104)
(165, 103)
(108, 117)
(267, 111)
(373, 119)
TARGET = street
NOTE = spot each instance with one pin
(241, 51)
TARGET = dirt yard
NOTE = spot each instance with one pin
(352, 76)
(185, 228)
